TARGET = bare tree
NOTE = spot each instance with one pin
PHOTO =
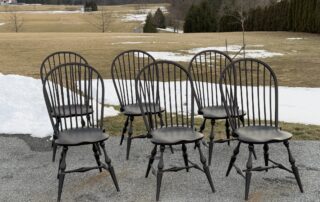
(241, 18)
(140, 5)
(239, 13)
(101, 19)
(15, 22)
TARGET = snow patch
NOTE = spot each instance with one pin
(180, 57)
(46, 12)
(23, 109)
(127, 42)
(297, 38)
(2, 23)
(232, 49)
(171, 29)
(128, 37)
(141, 14)
(302, 109)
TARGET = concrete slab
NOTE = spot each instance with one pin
(27, 174)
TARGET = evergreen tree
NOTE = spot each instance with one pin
(201, 18)
(159, 19)
(149, 27)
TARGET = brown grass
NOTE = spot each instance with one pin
(114, 126)
(22, 53)
(77, 22)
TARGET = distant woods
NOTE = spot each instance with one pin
(155, 21)
(284, 15)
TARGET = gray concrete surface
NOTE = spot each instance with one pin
(27, 174)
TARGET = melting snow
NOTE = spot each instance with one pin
(171, 56)
(253, 53)
(23, 109)
(297, 38)
(171, 29)
(302, 109)
(232, 50)
(141, 15)
(128, 42)
(47, 12)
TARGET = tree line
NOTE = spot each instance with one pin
(78, 2)
(285, 15)
(155, 21)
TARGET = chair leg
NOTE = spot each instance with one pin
(160, 172)
(151, 159)
(124, 130)
(266, 155)
(233, 158)
(54, 151)
(227, 125)
(248, 171)
(212, 134)
(171, 149)
(130, 131)
(254, 154)
(203, 125)
(205, 167)
(294, 167)
(61, 174)
(98, 148)
(96, 155)
(161, 119)
(110, 167)
(185, 156)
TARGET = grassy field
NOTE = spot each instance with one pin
(22, 53)
(74, 22)
(42, 34)
(114, 126)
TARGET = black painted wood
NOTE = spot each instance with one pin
(77, 88)
(51, 61)
(124, 70)
(176, 127)
(251, 85)
(205, 69)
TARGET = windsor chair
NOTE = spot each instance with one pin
(251, 85)
(205, 69)
(169, 85)
(124, 70)
(50, 62)
(77, 88)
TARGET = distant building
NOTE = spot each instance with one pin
(8, 1)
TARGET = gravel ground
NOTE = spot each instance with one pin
(27, 174)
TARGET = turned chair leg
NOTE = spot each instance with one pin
(124, 130)
(130, 132)
(294, 167)
(185, 156)
(227, 125)
(201, 129)
(151, 160)
(160, 172)
(61, 174)
(212, 134)
(110, 167)
(233, 158)
(161, 119)
(203, 125)
(205, 166)
(248, 171)
(266, 155)
(96, 155)
(54, 151)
